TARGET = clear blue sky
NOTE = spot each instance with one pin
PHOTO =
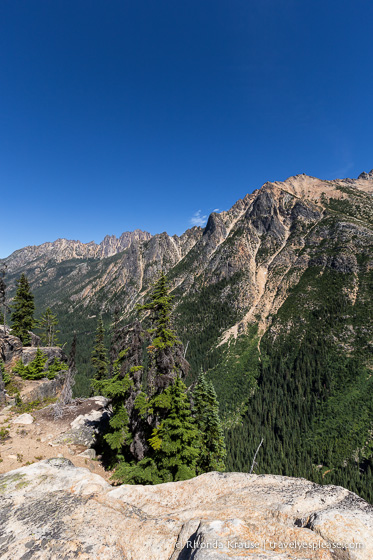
(116, 115)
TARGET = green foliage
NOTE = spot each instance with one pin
(99, 354)
(4, 434)
(5, 375)
(206, 413)
(201, 317)
(235, 375)
(36, 368)
(117, 388)
(23, 311)
(175, 441)
(19, 368)
(160, 308)
(55, 367)
(21, 407)
(174, 438)
(47, 325)
(313, 405)
(173, 444)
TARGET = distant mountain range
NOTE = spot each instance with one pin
(268, 294)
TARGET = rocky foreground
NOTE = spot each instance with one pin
(53, 510)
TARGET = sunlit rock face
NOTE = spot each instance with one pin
(53, 510)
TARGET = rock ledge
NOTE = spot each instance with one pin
(53, 510)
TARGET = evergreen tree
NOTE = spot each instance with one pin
(35, 370)
(3, 305)
(117, 388)
(165, 351)
(153, 435)
(175, 441)
(47, 324)
(2, 384)
(23, 311)
(99, 355)
(206, 413)
(173, 445)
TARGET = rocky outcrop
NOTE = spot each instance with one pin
(52, 510)
(44, 389)
(86, 428)
(65, 249)
(53, 352)
(10, 348)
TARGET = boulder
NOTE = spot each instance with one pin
(35, 339)
(89, 453)
(23, 419)
(10, 348)
(85, 428)
(52, 510)
(45, 389)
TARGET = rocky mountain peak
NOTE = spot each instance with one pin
(366, 176)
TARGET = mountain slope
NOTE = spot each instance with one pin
(274, 299)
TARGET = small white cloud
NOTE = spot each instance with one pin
(216, 210)
(197, 219)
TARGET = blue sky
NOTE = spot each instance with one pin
(150, 114)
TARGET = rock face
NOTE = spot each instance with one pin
(260, 238)
(10, 348)
(65, 249)
(41, 390)
(29, 353)
(52, 510)
(86, 427)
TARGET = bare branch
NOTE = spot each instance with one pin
(256, 453)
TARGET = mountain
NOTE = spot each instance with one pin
(273, 298)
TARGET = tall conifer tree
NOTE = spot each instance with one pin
(23, 311)
(206, 412)
(99, 354)
(2, 384)
(48, 325)
(161, 426)
(3, 305)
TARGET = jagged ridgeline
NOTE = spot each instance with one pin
(273, 299)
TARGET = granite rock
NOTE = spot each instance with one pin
(53, 510)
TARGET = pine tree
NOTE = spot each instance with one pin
(23, 311)
(2, 384)
(99, 355)
(165, 351)
(47, 324)
(206, 412)
(153, 433)
(3, 305)
(174, 443)
(35, 370)
(117, 388)
(175, 440)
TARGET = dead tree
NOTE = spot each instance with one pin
(66, 396)
(254, 463)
